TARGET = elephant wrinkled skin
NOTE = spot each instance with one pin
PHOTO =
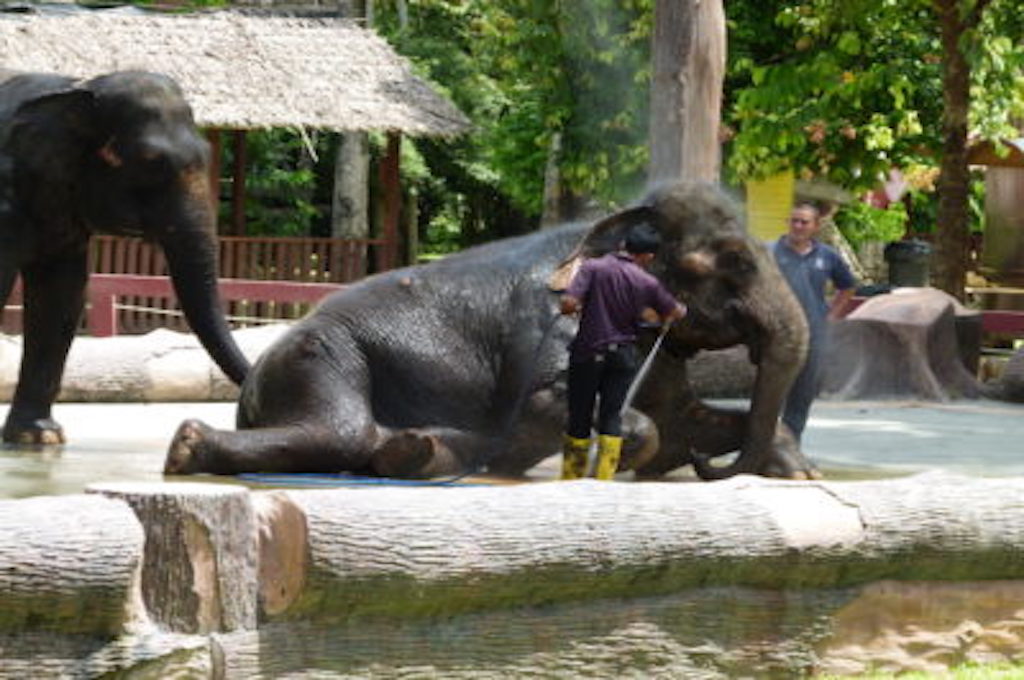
(460, 364)
(118, 154)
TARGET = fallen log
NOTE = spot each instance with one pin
(67, 564)
(213, 551)
(402, 552)
(200, 565)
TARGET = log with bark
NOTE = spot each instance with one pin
(73, 582)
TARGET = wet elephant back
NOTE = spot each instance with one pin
(425, 344)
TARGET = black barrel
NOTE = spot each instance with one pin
(908, 262)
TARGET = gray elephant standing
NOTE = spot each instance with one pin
(118, 154)
(460, 364)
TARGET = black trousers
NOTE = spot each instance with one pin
(602, 380)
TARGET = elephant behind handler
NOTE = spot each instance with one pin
(460, 364)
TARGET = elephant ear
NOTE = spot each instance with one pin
(734, 261)
(603, 237)
(608, 234)
(52, 134)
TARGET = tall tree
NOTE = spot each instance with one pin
(865, 85)
(688, 67)
(958, 22)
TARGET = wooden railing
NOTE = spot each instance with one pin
(291, 299)
(321, 260)
(250, 258)
(110, 302)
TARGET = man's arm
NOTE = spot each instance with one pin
(837, 310)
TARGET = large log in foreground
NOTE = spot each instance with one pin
(402, 552)
(76, 600)
(69, 564)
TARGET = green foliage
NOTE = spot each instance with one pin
(281, 182)
(861, 223)
(856, 88)
(524, 71)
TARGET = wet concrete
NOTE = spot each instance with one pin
(847, 440)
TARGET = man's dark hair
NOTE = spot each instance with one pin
(642, 238)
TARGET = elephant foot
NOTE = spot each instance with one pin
(42, 431)
(788, 461)
(184, 453)
(406, 454)
(640, 441)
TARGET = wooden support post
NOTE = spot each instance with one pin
(102, 316)
(391, 198)
(238, 185)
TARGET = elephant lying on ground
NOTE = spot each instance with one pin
(460, 364)
(119, 154)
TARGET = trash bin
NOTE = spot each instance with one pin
(908, 262)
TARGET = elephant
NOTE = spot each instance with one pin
(459, 365)
(117, 154)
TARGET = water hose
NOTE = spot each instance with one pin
(644, 369)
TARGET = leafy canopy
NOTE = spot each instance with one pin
(854, 87)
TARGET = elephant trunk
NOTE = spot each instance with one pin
(781, 352)
(191, 258)
(766, 404)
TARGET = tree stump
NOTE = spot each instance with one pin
(67, 564)
(199, 573)
(914, 342)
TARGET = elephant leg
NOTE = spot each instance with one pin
(197, 447)
(308, 447)
(718, 431)
(433, 451)
(54, 295)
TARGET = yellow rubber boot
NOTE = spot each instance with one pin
(574, 457)
(609, 450)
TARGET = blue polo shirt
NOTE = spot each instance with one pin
(613, 291)
(807, 275)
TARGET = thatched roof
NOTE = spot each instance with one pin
(242, 71)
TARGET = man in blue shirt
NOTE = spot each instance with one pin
(610, 293)
(808, 265)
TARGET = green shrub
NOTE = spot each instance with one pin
(861, 223)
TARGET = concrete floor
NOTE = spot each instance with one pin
(848, 440)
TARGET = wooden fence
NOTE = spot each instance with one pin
(301, 260)
(317, 260)
(107, 290)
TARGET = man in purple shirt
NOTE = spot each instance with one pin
(610, 293)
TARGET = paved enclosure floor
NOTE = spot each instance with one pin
(848, 440)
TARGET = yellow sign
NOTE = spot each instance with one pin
(769, 202)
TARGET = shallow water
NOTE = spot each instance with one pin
(847, 440)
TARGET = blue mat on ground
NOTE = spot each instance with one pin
(330, 479)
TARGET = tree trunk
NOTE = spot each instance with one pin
(350, 199)
(688, 54)
(199, 573)
(953, 184)
(552, 213)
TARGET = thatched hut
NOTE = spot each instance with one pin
(243, 72)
